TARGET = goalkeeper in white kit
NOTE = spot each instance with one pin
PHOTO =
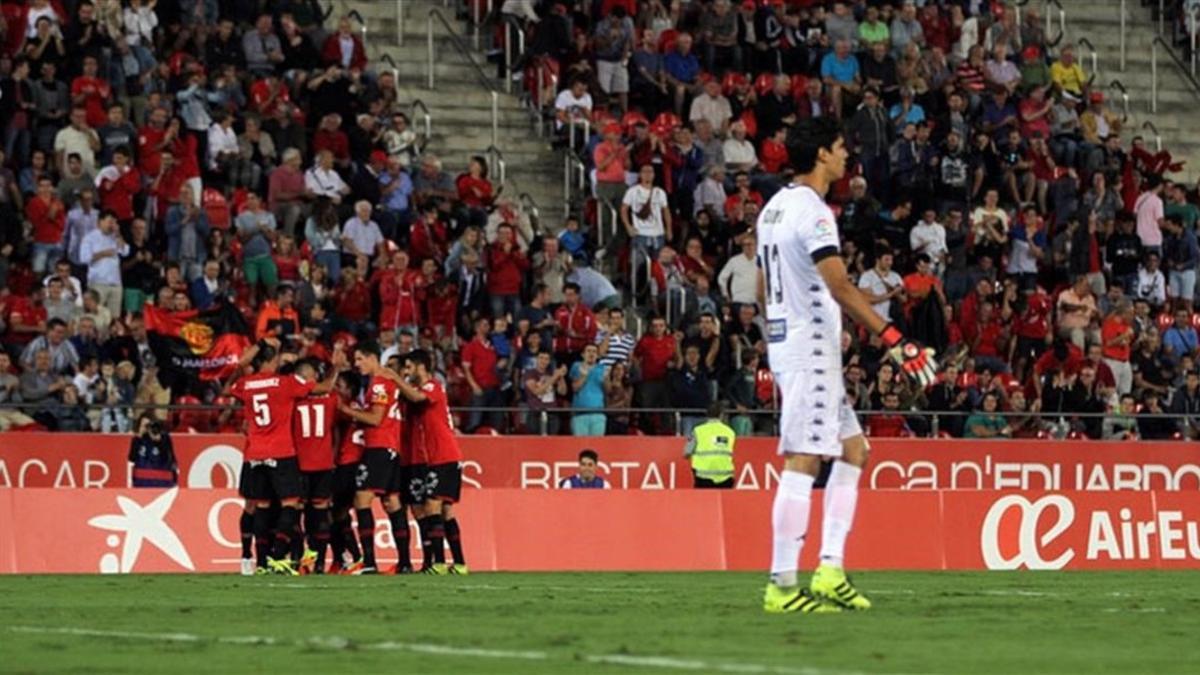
(804, 287)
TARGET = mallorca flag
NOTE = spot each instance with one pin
(205, 344)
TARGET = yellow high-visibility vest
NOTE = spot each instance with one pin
(712, 454)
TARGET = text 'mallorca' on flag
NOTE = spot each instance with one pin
(201, 343)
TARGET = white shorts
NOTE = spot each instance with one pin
(613, 76)
(815, 416)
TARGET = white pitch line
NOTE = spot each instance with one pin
(340, 643)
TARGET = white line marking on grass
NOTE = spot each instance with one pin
(340, 643)
(1135, 610)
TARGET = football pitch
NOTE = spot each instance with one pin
(1012, 622)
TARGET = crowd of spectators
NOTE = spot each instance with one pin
(186, 153)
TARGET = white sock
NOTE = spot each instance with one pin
(789, 521)
(841, 498)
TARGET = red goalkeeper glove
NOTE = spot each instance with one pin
(915, 360)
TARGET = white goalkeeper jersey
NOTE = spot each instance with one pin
(796, 230)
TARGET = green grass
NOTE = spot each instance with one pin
(1145, 622)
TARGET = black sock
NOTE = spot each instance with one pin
(262, 535)
(316, 524)
(284, 530)
(246, 527)
(399, 522)
(350, 539)
(453, 538)
(426, 544)
(297, 547)
(366, 535)
(437, 537)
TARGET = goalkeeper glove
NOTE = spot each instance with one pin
(916, 361)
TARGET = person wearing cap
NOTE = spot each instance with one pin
(1097, 122)
(1035, 74)
(1067, 75)
(587, 478)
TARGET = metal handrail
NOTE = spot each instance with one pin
(1124, 12)
(477, 21)
(1149, 126)
(353, 14)
(527, 202)
(633, 266)
(587, 131)
(418, 104)
(1192, 23)
(496, 164)
(1154, 44)
(495, 118)
(515, 26)
(1095, 54)
(1062, 22)
(1116, 84)
(571, 165)
(608, 207)
(387, 59)
(487, 82)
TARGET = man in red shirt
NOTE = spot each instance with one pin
(433, 434)
(506, 265)
(270, 398)
(48, 216)
(479, 361)
(401, 292)
(989, 339)
(91, 93)
(575, 325)
(312, 428)
(119, 183)
(153, 139)
(1116, 335)
(382, 426)
(653, 355)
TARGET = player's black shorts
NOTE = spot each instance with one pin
(444, 482)
(318, 485)
(344, 483)
(412, 484)
(275, 479)
(246, 483)
(376, 471)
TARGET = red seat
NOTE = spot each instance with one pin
(668, 120)
(217, 208)
(731, 81)
(764, 84)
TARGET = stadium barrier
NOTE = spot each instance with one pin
(67, 460)
(113, 531)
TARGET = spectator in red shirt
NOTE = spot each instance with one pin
(118, 185)
(48, 216)
(401, 293)
(475, 191)
(653, 355)
(506, 264)
(91, 93)
(1117, 336)
(329, 136)
(344, 49)
(287, 259)
(352, 300)
(154, 139)
(989, 339)
(427, 237)
(479, 362)
(890, 423)
(575, 325)
(269, 97)
(773, 155)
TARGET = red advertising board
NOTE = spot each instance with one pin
(655, 463)
(113, 531)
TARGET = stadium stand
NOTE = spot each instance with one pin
(338, 172)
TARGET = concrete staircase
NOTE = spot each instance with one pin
(460, 106)
(1099, 21)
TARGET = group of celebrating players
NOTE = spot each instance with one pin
(325, 439)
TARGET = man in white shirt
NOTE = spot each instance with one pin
(712, 106)
(881, 284)
(360, 234)
(81, 221)
(574, 102)
(102, 250)
(223, 145)
(739, 152)
(645, 214)
(929, 237)
(78, 138)
(322, 181)
(1151, 283)
(739, 278)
